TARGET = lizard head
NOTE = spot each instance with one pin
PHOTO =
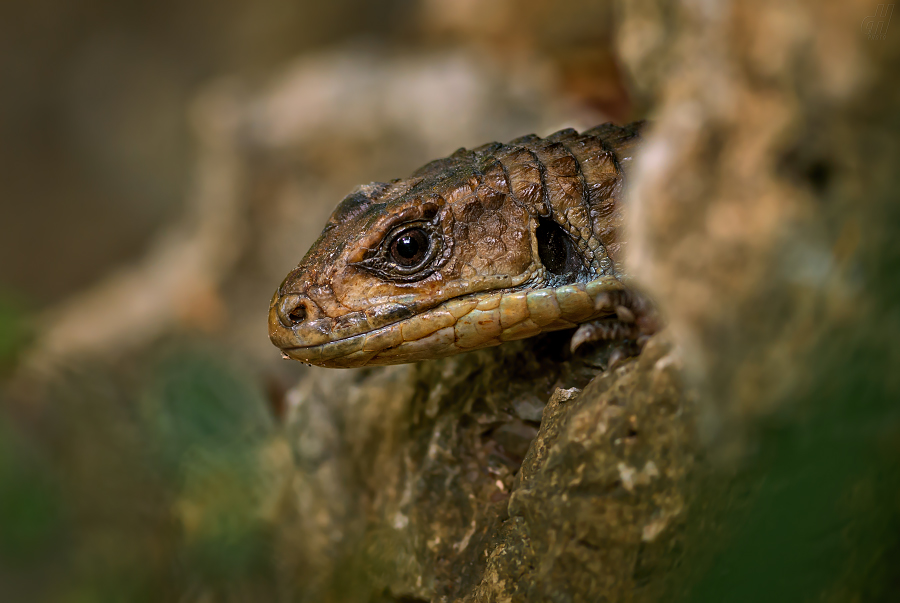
(456, 257)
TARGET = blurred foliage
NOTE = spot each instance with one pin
(15, 329)
(818, 508)
(29, 502)
(206, 428)
(136, 488)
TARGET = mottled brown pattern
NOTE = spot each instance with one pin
(482, 208)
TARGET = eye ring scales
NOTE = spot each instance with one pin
(409, 252)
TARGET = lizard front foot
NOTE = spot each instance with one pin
(636, 319)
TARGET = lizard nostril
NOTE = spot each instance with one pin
(298, 314)
(291, 310)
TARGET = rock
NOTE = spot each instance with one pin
(467, 501)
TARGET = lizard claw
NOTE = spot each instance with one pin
(581, 336)
(599, 330)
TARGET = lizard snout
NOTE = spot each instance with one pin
(295, 320)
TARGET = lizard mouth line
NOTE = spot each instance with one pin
(402, 332)
(475, 297)
(467, 323)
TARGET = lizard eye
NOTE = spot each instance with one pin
(410, 247)
(409, 252)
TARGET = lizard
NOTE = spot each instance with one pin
(491, 244)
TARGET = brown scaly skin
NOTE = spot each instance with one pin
(488, 245)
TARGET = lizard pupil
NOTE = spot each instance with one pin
(409, 247)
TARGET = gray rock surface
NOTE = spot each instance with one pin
(464, 499)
